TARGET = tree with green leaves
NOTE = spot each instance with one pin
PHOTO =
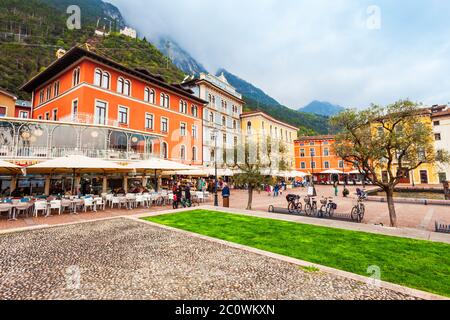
(395, 139)
(258, 159)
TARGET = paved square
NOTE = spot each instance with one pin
(126, 259)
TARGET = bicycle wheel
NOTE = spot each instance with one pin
(308, 209)
(299, 208)
(355, 214)
(291, 207)
(361, 213)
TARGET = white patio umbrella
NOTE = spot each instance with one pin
(354, 172)
(9, 168)
(332, 171)
(295, 174)
(194, 173)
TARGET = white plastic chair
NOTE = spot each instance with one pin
(99, 203)
(56, 205)
(140, 201)
(109, 199)
(40, 206)
(89, 203)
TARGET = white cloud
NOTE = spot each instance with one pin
(298, 51)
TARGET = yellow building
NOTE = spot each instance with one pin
(425, 174)
(7, 104)
(258, 127)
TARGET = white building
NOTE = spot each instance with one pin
(221, 118)
(129, 32)
(441, 125)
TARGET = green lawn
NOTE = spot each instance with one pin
(417, 264)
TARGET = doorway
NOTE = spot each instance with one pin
(423, 177)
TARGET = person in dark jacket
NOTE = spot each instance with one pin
(226, 191)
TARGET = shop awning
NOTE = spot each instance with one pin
(9, 168)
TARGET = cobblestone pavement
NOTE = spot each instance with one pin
(125, 259)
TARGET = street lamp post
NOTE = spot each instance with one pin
(216, 196)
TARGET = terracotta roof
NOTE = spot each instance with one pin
(265, 115)
(8, 93)
(441, 114)
(76, 53)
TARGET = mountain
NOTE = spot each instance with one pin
(322, 108)
(247, 89)
(182, 59)
(257, 99)
(31, 32)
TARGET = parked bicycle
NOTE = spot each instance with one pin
(310, 206)
(359, 209)
(294, 203)
(328, 207)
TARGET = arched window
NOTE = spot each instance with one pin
(127, 88)
(76, 77)
(181, 106)
(249, 127)
(105, 80)
(194, 153)
(98, 77)
(167, 103)
(120, 85)
(149, 95)
(164, 150)
(183, 153)
(162, 99)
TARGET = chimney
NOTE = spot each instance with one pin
(60, 53)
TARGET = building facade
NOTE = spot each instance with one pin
(258, 127)
(441, 128)
(82, 87)
(315, 155)
(7, 103)
(22, 109)
(221, 117)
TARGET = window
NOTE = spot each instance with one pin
(2, 111)
(194, 153)
(303, 165)
(249, 127)
(437, 137)
(183, 153)
(313, 165)
(214, 101)
(120, 85)
(183, 106)
(380, 131)
(312, 152)
(302, 153)
(56, 88)
(164, 125)
(436, 123)
(341, 164)
(311, 143)
(211, 117)
(40, 118)
(100, 114)
(98, 77)
(127, 88)
(165, 150)
(47, 116)
(164, 100)
(49, 93)
(194, 132)
(74, 109)
(327, 165)
(183, 129)
(149, 121)
(224, 105)
(123, 115)
(105, 80)
(326, 152)
(224, 137)
(41, 96)
(234, 124)
(23, 114)
(55, 114)
(194, 110)
(224, 121)
(76, 77)
(149, 95)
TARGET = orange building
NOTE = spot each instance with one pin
(83, 87)
(315, 156)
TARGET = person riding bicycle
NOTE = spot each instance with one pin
(360, 193)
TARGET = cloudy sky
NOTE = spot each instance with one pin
(348, 52)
